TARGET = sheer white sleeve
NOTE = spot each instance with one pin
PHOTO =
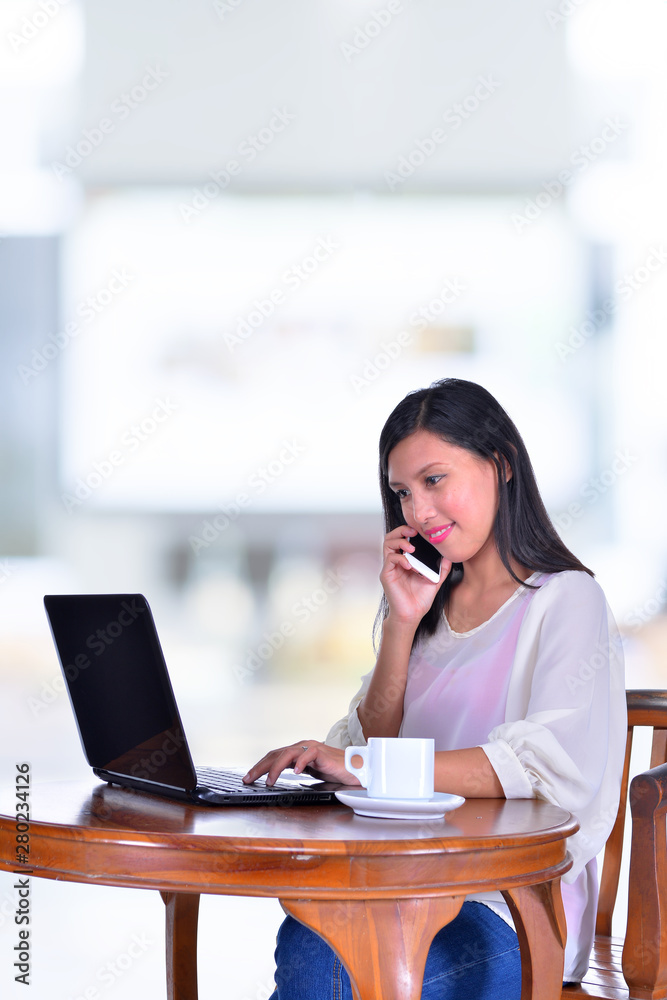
(347, 732)
(563, 738)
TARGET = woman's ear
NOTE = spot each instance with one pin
(505, 465)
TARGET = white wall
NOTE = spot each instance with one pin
(355, 112)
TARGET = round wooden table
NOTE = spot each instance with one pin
(376, 890)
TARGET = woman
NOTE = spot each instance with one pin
(511, 662)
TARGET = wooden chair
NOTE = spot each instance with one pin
(637, 967)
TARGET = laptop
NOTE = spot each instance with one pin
(126, 713)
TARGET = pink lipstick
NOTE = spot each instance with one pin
(437, 535)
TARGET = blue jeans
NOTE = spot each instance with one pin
(475, 957)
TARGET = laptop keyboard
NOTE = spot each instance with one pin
(231, 781)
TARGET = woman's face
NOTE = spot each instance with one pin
(447, 493)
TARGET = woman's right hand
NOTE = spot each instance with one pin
(309, 757)
(408, 593)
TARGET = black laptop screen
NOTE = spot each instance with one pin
(119, 687)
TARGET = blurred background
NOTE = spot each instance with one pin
(233, 235)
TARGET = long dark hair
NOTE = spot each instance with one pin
(465, 414)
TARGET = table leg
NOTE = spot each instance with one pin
(383, 943)
(181, 940)
(539, 919)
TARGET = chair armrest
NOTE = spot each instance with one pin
(648, 793)
(645, 949)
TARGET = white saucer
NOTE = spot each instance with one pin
(364, 805)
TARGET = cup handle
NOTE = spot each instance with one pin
(358, 772)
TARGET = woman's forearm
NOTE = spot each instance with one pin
(381, 709)
(468, 773)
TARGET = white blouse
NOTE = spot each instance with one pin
(540, 687)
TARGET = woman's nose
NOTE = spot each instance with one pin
(422, 509)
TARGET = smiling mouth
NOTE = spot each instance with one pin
(440, 533)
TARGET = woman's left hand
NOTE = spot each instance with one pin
(306, 756)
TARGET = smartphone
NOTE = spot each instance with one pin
(425, 559)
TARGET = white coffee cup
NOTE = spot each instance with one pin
(394, 767)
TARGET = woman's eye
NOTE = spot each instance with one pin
(401, 494)
(432, 480)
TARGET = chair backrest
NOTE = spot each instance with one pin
(645, 708)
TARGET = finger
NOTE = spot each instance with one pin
(401, 530)
(314, 773)
(256, 771)
(295, 757)
(396, 559)
(308, 756)
(262, 766)
(445, 566)
(403, 536)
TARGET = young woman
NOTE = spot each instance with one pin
(511, 662)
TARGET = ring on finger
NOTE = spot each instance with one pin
(305, 748)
